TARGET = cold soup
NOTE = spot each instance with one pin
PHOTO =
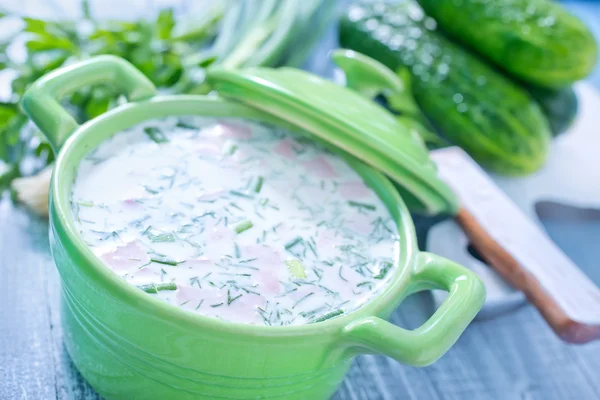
(235, 220)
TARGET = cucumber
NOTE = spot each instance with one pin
(472, 105)
(537, 41)
(560, 106)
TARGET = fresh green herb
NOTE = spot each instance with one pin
(240, 194)
(328, 316)
(185, 125)
(340, 274)
(258, 182)
(199, 304)
(155, 134)
(216, 305)
(85, 203)
(243, 226)
(162, 237)
(156, 287)
(151, 190)
(165, 260)
(291, 244)
(365, 206)
(232, 299)
(302, 299)
(384, 270)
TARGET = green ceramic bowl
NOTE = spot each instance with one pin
(128, 344)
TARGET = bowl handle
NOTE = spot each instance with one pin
(431, 340)
(41, 101)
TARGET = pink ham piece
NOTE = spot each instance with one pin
(320, 167)
(270, 263)
(230, 130)
(361, 224)
(127, 257)
(285, 148)
(212, 196)
(354, 190)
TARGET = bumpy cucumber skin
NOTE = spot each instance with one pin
(537, 41)
(474, 106)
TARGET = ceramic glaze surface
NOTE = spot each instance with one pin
(236, 220)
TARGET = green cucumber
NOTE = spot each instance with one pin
(560, 106)
(537, 41)
(492, 118)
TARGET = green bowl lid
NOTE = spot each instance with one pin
(346, 120)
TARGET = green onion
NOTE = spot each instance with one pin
(243, 226)
(85, 203)
(163, 237)
(258, 184)
(156, 287)
(296, 268)
(155, 134)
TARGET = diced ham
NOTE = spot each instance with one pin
(191, 295)
(230, 130)
(361, 224)
(320, 167)
(133, 203)
(127, 257)
(264, 255)
(211, 196)
(354, 190)
(209, 149)
(285, 148)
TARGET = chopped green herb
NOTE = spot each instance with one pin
(384, 270)
(185, 125)
(328, 316)
(243, 226)
(340, 274)
(156, 287)
(232, 299)
(302, 299)
(199, 304)
(155, 134)
(162, 237)
(293, 242)
(366, 206)
(216, 305)
(240, 194)
(165, 261)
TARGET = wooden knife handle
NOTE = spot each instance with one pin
(509, 268)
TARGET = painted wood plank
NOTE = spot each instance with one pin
(26, 365)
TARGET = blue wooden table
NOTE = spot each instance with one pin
(512, 357)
